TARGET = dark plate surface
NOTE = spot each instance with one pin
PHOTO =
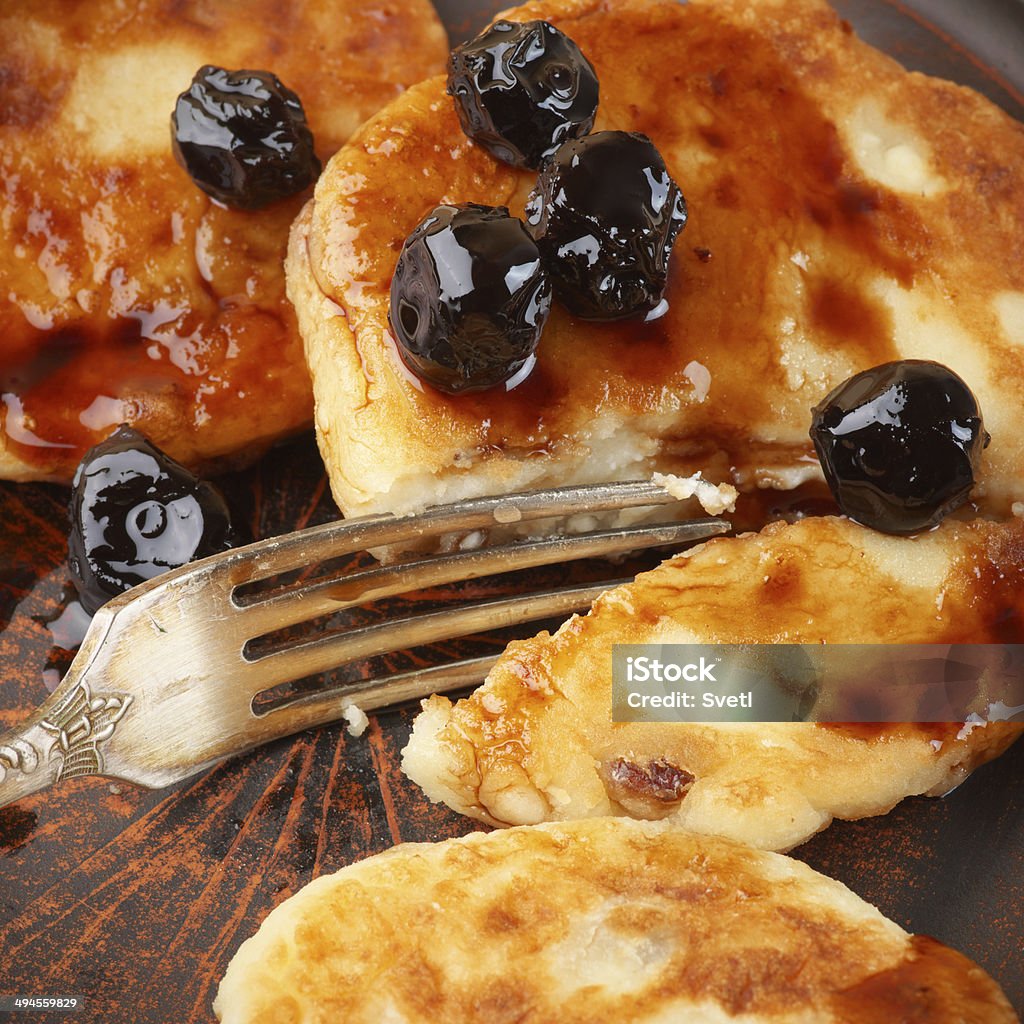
(136, 900)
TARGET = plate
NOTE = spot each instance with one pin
(136, 900)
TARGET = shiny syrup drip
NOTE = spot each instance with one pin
(173, 366)
(521, 90)
(58, 366)
(67, 627)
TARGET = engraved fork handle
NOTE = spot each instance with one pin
(64, 737)
(27, 761)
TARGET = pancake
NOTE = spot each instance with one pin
(129, 296)
(536, 741)
(843, 213)
(592, 921)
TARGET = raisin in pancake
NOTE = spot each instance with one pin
(129, 296)
(604, 920)
(843, 213)
(536, 742)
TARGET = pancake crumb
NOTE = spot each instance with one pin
(356, 719)
(714, 498)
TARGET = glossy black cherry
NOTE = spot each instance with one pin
(900, 444)
(605, 213)
(469, 298)
(243, 137)
(136, 513)
(521, 90)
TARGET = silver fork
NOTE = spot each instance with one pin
(174, 675)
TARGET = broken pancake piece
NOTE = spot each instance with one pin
(129, 296)
(843, 213)
(601, 920)
(536, 741)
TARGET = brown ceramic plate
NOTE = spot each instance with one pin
(136, 900)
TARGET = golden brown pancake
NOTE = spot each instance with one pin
(128, 295)
(587, 922)
(843, 213)
(536, 741)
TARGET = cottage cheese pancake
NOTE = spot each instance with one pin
(843, 213)
(536, 741)
(128, 295)
(603, 920)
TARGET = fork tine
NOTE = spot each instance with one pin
(299, 603)
(296, 661)
(330, 540)
(328, 705)
(309, 710)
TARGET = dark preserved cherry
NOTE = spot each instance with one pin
(243, 137)
(521, 90)
(900, 444)
(469, 298)
(605, 213)
(136, 513)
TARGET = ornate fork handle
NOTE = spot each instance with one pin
(61, 740)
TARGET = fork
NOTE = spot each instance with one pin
(180, 672)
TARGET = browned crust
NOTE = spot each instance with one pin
(536, 741)
(598, 920)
